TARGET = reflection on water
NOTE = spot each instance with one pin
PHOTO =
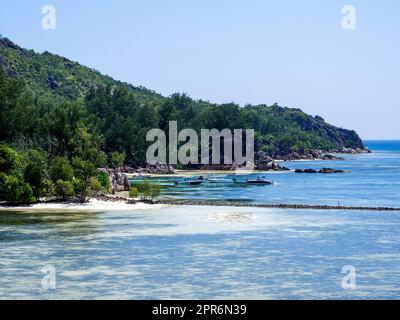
(22, 226)
(199, 252)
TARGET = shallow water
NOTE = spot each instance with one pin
(374, 180)
(199, 252)
(214, 252)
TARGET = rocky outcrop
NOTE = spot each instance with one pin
(119, 181)
(310, 171)
(330, 170)
(53, 84)
(323, 170)
(305, 171)
(313, 155)
(158, 168)
(263, 162)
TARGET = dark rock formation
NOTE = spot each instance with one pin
(310, 171)
(119, 181)
(305, 171)
(330, 170)
(331, 157)
(323, 170)
(264, 162)
(157, 168)
(53, 84)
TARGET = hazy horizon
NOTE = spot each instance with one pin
(258, 52)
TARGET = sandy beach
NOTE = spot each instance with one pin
(93, 205)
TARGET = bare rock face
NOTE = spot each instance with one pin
(264, 162)
(53, 84)
(310, 171)
(330, 170)
(323, 170)
(158, 168)
(119, 181)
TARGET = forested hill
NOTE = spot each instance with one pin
(45, 99)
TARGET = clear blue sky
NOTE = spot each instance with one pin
(288, 51)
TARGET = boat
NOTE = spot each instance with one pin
(190, 181)
(257, 181)
(217, 179)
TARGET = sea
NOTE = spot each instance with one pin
(193, 252)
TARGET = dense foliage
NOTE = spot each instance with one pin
(145, 189)
(65, 120)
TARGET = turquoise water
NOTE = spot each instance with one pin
(217, 252)
(374, 180)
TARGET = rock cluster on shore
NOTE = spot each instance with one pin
(317, 154)
(158, 168)
(119, 181)
(263, 161)
(323, 170)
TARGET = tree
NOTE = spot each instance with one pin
(61, 169)
(64, 189)
(10, 160)
(147, 190)
(35, 170)
(13, 188)
(16, 190)
(85, 172)
(118, 158)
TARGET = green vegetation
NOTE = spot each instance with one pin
(61, 121)
(145, 189)
(104, 180)
(118, 158)
(133, 192)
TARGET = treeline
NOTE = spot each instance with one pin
(48, 148)
(55, 113)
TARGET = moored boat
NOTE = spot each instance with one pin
(257, 181)
(190, 181)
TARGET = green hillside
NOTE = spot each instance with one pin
(121, 114)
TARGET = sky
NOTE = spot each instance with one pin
(295, 53)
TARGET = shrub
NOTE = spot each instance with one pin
(16, 190)
(65, 189)
(155, 191)
(94, 185)
(9, 159)
(144, 188)
(49, 188)
(148, 190)
(118, 158)
(133, 192)
(61, 169)
(104, 180)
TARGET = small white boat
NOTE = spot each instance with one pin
(190, 181)
(257, 181)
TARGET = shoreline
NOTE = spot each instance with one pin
(218, 203)
(122, 203)
(337, 156)
(93, 205)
